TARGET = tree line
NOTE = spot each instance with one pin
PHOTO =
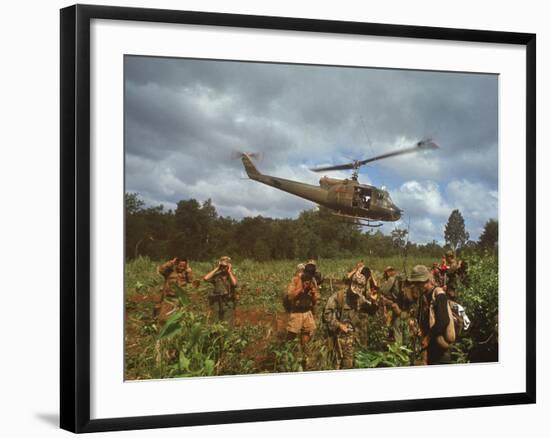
(196, 230)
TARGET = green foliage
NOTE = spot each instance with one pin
(196, 231)
(480, 299)
(489, 237)
(395, 356)
(204, 348)
(286, 356)
(189, 344)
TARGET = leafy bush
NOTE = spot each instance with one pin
(395, 356)
(480, 299)
(203, 348)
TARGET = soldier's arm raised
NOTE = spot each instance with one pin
(209, 276)
(166, 268)
(294, 288)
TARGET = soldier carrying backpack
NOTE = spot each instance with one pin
(435, 317)
(299, 301)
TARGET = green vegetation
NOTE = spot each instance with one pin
(195, 230)
(190, 344)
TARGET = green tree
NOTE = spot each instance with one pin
(399, 238)
(133, 203)
(489, 236)
(456, 235)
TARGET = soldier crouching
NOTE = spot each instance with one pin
(343, 314)
(302, 296)
(223, 295)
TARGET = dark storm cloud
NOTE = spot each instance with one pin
(185, 119)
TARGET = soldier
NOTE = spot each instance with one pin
(224, 281)
(396, 302)
(370, 284)
(302, 296)
(451, 275)
(369, 289)
(434, 317)
(437, 274)
(342, 315)
(176, 273)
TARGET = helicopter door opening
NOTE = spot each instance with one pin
(362, 198)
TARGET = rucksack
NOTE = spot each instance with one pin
(289, 304)
(450, 333)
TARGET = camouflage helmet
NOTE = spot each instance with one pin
(420, 273)
(358, 283)
(225, 260)
(389, 268)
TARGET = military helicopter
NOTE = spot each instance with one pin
(361, 204)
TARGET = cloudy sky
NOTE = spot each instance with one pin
(187, 119)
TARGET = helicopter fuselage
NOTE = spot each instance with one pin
(345, 197)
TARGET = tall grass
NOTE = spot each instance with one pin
(190, 344)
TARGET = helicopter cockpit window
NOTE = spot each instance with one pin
(361, 198)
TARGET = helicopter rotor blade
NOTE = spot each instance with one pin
(348, 166)
(422, 145)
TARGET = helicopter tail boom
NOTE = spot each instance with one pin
(307, 191)
(249, 167)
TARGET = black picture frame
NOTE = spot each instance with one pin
(75, 217)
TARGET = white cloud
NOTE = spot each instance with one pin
(421, 199)
(184, 118)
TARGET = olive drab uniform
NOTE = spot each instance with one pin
(348, 308)
(391, 290)
(221, 300)
(362, 283)
(172, 277)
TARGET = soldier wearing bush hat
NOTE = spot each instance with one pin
(224, 281)
(434, 320)
(419, 274)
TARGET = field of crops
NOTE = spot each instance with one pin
(190, 344)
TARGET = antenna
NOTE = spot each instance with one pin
(407, 245)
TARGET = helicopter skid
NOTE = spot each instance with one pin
(358, 220)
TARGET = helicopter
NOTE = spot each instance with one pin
(360, 204)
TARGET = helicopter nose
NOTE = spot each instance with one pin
(396, 213)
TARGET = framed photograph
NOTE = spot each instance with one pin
(268, 218)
